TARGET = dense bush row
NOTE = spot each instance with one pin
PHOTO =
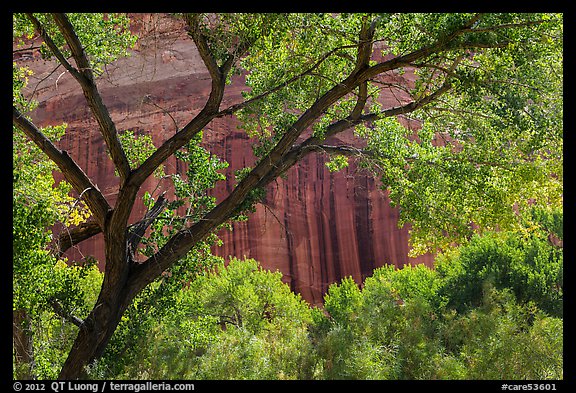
(489, 310)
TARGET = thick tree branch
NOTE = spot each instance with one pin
(170, 146)
(71, 171)
(71, 237)
(137, 230)
(362, 62)
(85, 77)
(69, 317)
(365, 43)
(52, 46)
(208, 113)
(502, 26)
(236, 107)
(193, 22)
(441, 45)
(200, 39)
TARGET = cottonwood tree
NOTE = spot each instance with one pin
(487, 101)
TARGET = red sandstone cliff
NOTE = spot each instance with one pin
(315, 226)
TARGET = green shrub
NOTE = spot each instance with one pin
(231, 322)
(531, 268)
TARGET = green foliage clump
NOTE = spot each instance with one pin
(234, 321)
(503, 339)
(42, 281)
(337, 163)
(53, 334)
(105, 37)
(491, 310)
(532, 268)
(191, 189)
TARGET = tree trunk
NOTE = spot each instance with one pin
(96, 330)
(22, 342)
(98, 327)
(95, 333)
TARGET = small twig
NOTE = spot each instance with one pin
(148, 100)
(57, 79)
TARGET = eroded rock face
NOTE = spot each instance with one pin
(314, 226)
